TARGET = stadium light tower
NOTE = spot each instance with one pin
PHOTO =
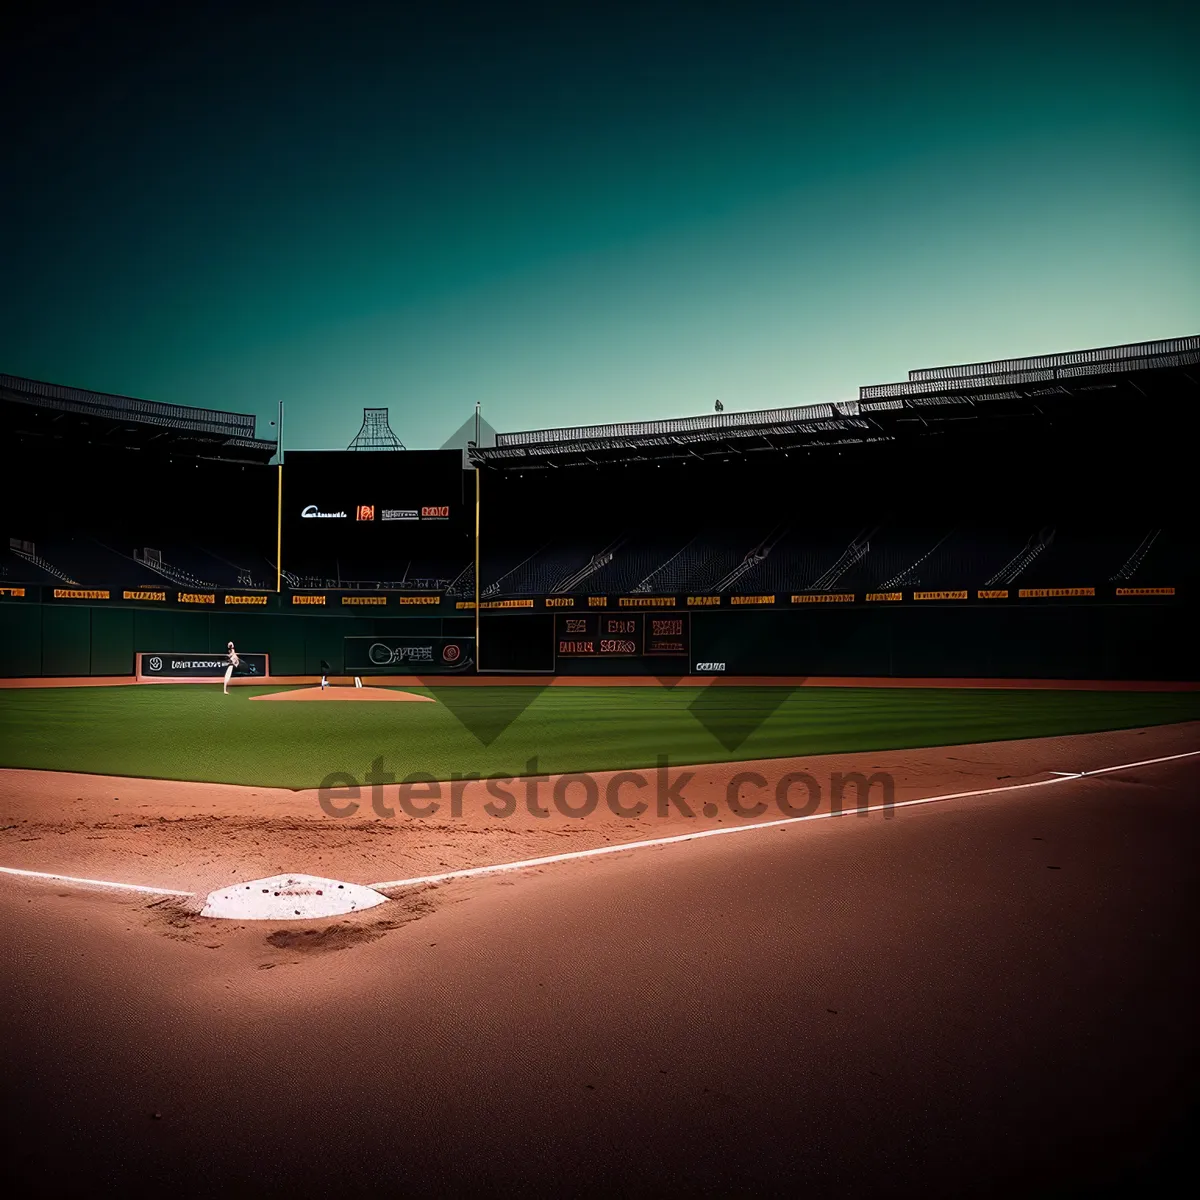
(376, 433)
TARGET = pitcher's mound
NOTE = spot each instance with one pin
(344, 693)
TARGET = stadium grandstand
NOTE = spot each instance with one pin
(1113, 381)
(1063, 471)
(33, 409)
(116, 492)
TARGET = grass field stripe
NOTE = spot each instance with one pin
(497, 868)
(104, 883)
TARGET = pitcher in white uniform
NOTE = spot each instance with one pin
(234, 661)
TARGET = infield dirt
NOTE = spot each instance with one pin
(201, 836)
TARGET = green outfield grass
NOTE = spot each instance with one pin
(197, 733)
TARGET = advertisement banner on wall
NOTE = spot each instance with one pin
(176, 666)
(394, 655)
(78, 593)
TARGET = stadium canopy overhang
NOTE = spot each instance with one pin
(34, 409)
(1112, 383)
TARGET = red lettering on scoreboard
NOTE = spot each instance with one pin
(620, 625)
(618, 646)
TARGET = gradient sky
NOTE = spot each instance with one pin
(576, 213)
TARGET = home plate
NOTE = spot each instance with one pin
(289, 898)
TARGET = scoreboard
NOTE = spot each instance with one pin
(340, 493)
(629, 635)
(375, 511)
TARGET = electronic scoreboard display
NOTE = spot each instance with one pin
(628, 635)
(382, 512)
(376, 492)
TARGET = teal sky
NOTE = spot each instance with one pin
(576, 217)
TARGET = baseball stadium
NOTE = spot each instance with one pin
(878, 719)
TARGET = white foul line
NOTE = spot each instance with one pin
(105, 883)
(470, 872)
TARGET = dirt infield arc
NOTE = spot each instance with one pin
(323, 695)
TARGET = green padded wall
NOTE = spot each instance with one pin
(66, 640)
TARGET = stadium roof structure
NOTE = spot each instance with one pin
(53, 411)
(1110, 381)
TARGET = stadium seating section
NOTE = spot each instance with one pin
(662, 551)
(1099, 500)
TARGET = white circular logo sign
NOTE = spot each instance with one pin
(156, 664)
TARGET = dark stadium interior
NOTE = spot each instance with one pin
(1044, 504)
(775, 526)
(980, 487)
(950, 514)
(92, 514)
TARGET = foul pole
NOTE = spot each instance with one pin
(279, 507)
(477, 661)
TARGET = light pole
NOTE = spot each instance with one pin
(279, 504)
(478, 664)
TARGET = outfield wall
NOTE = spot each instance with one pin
(55, 640)
(1069, 641)
(1058, 641)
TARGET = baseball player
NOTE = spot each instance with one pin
(234, 661)
(325, 668)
